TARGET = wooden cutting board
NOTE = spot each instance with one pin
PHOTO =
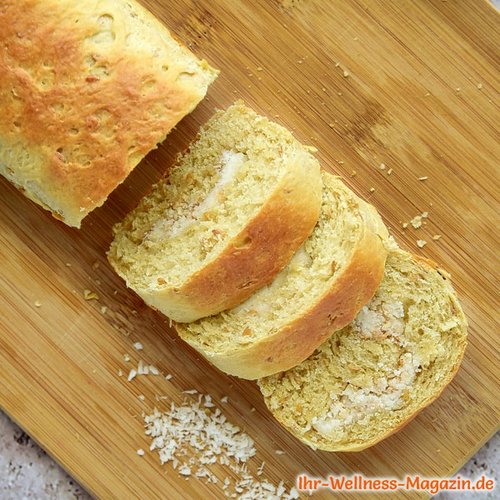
(412, 85)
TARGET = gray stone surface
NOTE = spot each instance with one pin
(26, 471)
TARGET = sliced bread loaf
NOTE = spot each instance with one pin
(327, 282)
(373, 376)
(229, 218)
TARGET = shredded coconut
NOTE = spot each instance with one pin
(142, 369)
(195, 430)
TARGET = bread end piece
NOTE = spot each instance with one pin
(86, 91)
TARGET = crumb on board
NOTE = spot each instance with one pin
(436, 237)
(126, 358)
(389, 172)
(417, 221)
(423, 178)
(104, 309)
(280, 452)
(354, 173)
(224, 399)
(479, 85)
(138, 346)
(141, 397)
(346, 74)
(89, 295)
(421, 243)
(372, 190)
(140, 452)
(168, 376)
(120, 373)
(38, 303)
(95, 265)
(382, 166)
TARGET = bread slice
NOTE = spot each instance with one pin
(327, 282)
(371, 378)
(87, 89)
(227, 220)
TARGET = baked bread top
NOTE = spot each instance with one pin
(334, 273)
(87, 89)
(228, 218)
(373, 376)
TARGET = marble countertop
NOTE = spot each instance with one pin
(26, 471)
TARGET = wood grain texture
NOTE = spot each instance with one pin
(416, 88)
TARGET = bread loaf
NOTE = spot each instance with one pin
(330, 278)
(225, 222)
(87, 89)
(372, 377)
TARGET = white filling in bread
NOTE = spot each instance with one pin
(375, 321)
(230, 164)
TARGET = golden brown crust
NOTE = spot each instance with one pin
(254, 256)
(83, 101)
(298, 340)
